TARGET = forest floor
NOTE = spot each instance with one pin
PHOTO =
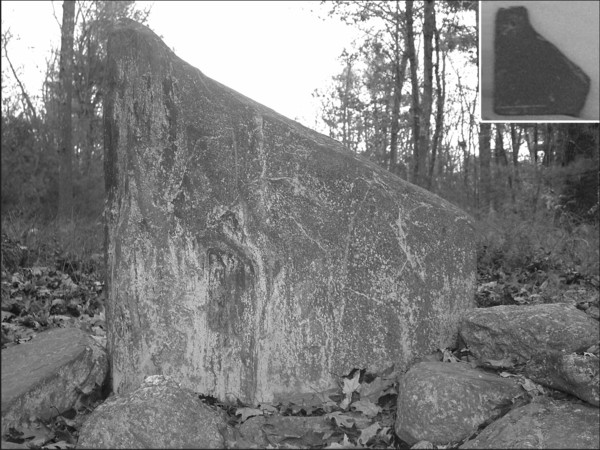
(48, 281)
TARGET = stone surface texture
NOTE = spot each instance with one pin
(251, 257)
(576, 374)
(544, 423)
(280, 430)
(446, 402)
(47, 375)
(159, 414)
(521, 332)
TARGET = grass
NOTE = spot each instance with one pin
(540, 242)
(45, 243)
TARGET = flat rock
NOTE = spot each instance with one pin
(280, 430)
(576, 374)
(159, 414)
(518, 333)
(48, 374)
(532, 76)
(446, 402)
(252, 258)
(544, 423)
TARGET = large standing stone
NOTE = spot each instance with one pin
(249, 256)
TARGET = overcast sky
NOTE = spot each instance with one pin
(274, 52)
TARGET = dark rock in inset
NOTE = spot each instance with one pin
(532, 76)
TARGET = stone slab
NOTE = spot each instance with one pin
(520, 332)
(545, 423)
(446, 402)
(46, 375)
(576, 374)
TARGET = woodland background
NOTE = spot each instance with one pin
(402, 100)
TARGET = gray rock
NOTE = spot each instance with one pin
(159, 414)
(446, 402)
(251, 257)
(572, 373)
(544, 423)
(521, 332)
(280, 430)
(48, 374)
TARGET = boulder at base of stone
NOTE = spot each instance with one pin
(159, 414)
(519, 332)
(250, 257)
(576, 374)
(446, 402)
(277, 431)
(544, 423)
(47, 375)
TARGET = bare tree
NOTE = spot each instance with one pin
(485, 173)
(440, 81)
(415, 106)
(427, 98)
(399, 73)
(65, 179)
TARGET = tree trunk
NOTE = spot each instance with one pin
(440, 81)
(427, 99)
(399, 72)
(515, 140)
(501, 164)
(548, 147)
(415, 108)
(65, 178)
(485, 175)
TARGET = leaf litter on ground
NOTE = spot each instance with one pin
(360, 413)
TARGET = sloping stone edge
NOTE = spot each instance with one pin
(89, 372)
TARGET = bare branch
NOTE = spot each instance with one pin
(26, 98)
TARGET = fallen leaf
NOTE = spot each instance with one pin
(448, 356)
(506, 374)
(345, 403)
(385, 434)
(265, 407)
(374, 389)
(505, 363)
(341, 419)
(366, 407)
(246, 413)
(532, 388)
(351, 384)
(368, 433)
(344, 444)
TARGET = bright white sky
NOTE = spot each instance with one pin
(274, 52)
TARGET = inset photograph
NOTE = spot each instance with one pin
(540, 61)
